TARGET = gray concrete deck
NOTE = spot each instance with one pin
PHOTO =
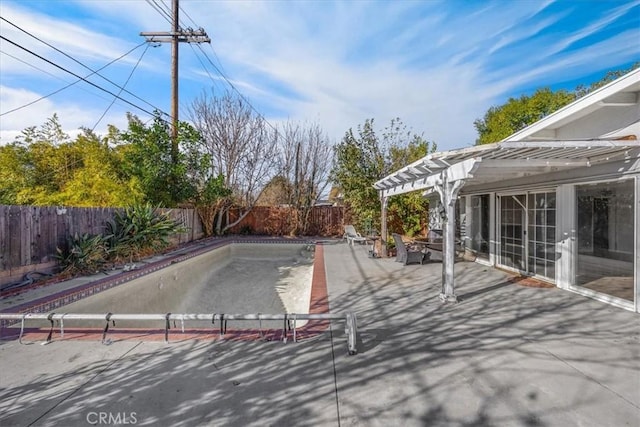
(506, 355)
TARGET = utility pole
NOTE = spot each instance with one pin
(176, 36)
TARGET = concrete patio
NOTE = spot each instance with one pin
(506, 355)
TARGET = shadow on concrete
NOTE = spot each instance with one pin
(505, 355)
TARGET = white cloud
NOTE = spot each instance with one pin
(74, 40)
(72, 116)
(436, 65)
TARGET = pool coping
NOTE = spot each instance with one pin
(318, 301)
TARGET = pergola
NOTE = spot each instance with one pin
(445, 173)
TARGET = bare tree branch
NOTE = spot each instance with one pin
(240, 147)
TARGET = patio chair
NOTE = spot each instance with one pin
(407, 254)
(352, 235)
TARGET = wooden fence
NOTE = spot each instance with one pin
(280, 221)
(29, 235)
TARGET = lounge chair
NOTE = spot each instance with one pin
(352, 235)
(407, 254)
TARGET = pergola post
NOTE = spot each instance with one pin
(448, 192)
(383, 224)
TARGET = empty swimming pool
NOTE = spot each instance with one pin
(235, 278)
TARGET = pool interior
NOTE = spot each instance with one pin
(238, 278)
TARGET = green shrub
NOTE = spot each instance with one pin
(138, 231)
(86, 254)
(135, 232)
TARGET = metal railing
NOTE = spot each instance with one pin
(289, 321)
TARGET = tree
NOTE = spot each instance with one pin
(50, 131)
(147, 157)
(499, 122)
(209, 202)
(305, 161)
(406, 213)
(13, 176)
(277, 192)
(610, 76)
(45, 167)
(239, 148)
(97, 180)
(360, 161)
(48, 161)
(517, 113)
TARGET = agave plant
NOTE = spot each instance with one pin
(86, 254)
(139, 230)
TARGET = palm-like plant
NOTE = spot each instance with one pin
(86, 254)
(140, 230)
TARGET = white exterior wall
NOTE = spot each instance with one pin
(599, 123)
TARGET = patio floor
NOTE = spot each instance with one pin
(506, 355)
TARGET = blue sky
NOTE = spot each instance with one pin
(438, 65)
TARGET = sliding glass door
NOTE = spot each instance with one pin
(541, 260)
(528, 233)
(605, 243)
(513, 222)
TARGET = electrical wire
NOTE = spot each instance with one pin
(32, 66)
(123, 86)
(206, 70)
(220, 70)
(160, 10)
(58, 77)
(198, 26)
(80, 63)
(67, 86)
(237, 91)
(167, 12)
(191, 19)
(77, 76)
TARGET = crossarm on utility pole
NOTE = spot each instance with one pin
(175, 37)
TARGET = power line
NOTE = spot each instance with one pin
(223, 75)
(210, 45)
(80, 63)
(236, 90)
(203, 65)
(60, 78)
(64, 87)
(191, 19)
(77, 76)
(31, 65)
(218, 69)
(82, 159)
(160, 10)
(176, 36)
(123, 86)
(166, 8)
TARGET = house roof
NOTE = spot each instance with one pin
(618, 98)
(607, 121)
